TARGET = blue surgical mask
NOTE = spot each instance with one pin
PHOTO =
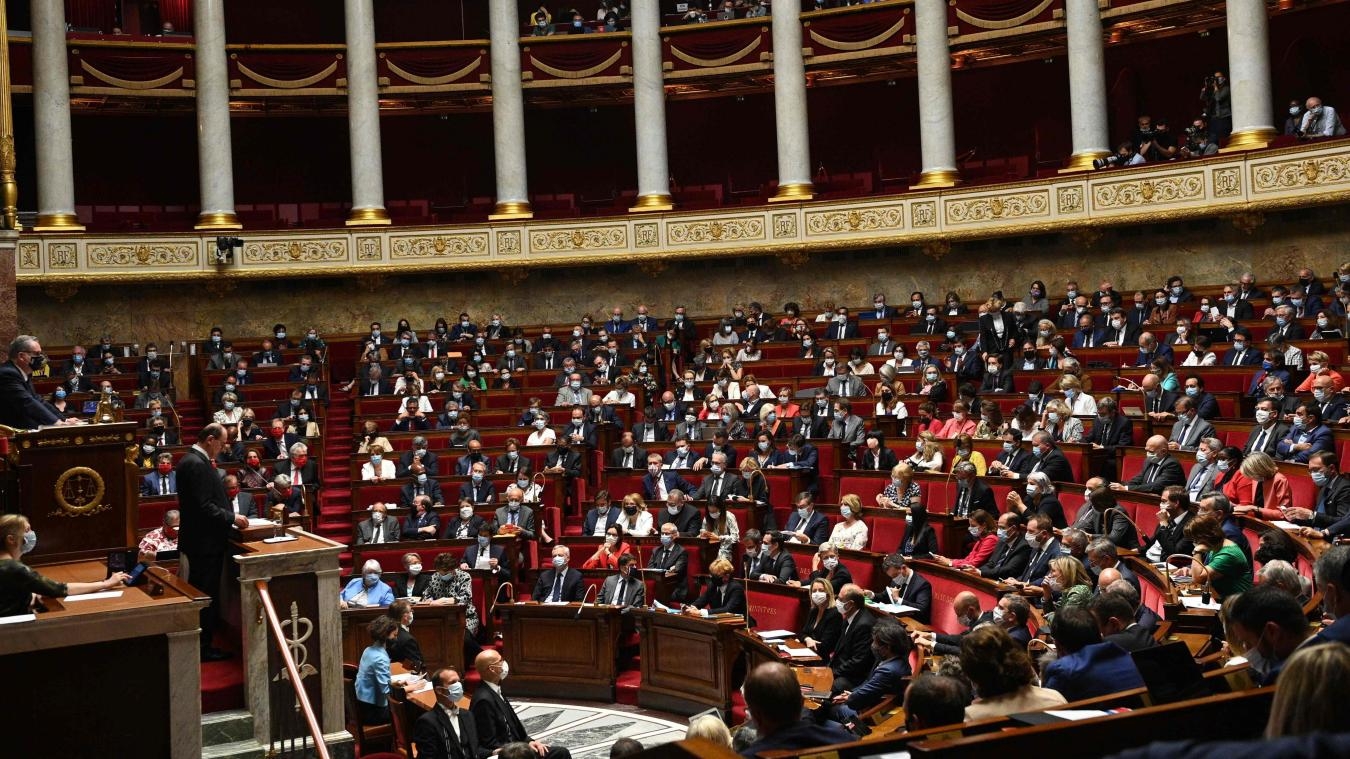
(666, 539)
(372, 577)
(29, 542)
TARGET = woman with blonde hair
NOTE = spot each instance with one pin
(1314, 692)
(1045, 333)
(960, 423)
(850, 532)
(1080, 403)
(758, 495)
(1263, 476)
(823, 626)
(634, 517)
(902, 492)
(927, 454)
(1058, 420)
(711, 729)
(991, 424)
(1066, 584)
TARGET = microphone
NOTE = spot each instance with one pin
(589, 588)
(498, 596)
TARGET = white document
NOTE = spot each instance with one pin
(17, 618)
(1076, 714)
(771, 634)
(804, 653)
(895, 608)
(1195, 602)
(256, 522)
(94, 596)
(1283, 525)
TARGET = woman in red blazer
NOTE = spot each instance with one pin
(984, 529)
(1259, 470)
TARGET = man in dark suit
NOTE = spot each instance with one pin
(161, 480)
(1331, 508)
(1159, 471)
(624, 589)
(1150, 348)
(1111, 429)
(1044, 547)
(1050, 459)
(628, 455)
(404, 648)
(1013, 462)
(803, 456)
(930, 324)
(446, 731)
(1119, 332)
(772, 563)
(972, 494)
(1176, 512)
(1087, 335)
(279, 441)
(840, 327)
(890, 645)
(559, 583)
(680, 513)
(484, 554)
(204, 532)
(494, 718)
(20, 405)
(601, 517)
(478, 488)
(658, 482)
(565, 460)
(1268, 432)
(721, 483)
(806, 524)
(996, 378)
(1012, 554)
(907, 588)
(514, 515)
(673, 562)
(775, 698)
(420, 484)
(853, 658)
(650, 430)
(420, 451)
(1115, 620)
(240, 502)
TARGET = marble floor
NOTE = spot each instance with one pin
(589, 731)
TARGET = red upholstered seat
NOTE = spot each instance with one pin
(776, 607)
(944, 592)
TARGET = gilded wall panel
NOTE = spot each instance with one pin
(996, 208)
(439, 246)
(1148, 192)
(588, 238)
(30, 256)
(852, 221)
(715, 231)
(1300, 174)
(144, 255)
(296, 250)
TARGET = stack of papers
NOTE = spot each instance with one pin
(17, 618)
(256, 522)
(774, 634)
(94, 596)
(1283, 525)
(1195, 602)
(894, 608)
(803, 653)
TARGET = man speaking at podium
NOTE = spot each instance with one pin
(20, 405)
(204, 529)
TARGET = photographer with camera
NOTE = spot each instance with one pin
(1198, 143)
(1153, 140)
(1126, 155)
(1217, 98)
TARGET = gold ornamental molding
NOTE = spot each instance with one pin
(860, 44)
(1006, 23)
(1238, 187)
(288, 84)
(434, 81)
(717, 62)
(132, 84)
(585, 73)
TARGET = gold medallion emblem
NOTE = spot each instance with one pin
(79, 492)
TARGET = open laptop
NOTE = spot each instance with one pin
(1170, 673)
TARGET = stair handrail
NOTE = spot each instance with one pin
(274, 622)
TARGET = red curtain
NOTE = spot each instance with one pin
(91, 14)
(178, 13)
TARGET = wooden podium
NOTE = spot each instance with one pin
(561, 648)
(687, 661)
(106, 676)
(77, 487)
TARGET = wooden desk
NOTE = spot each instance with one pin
(687, 661)
(556, 648)
(138, 641)
(438, 628)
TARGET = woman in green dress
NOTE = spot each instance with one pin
(1217, 561)
(1066, 584)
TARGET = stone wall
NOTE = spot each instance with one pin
(1274, 246)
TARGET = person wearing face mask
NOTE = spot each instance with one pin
(932, 385)
(625, 588)
(806, 525)
(446, 731)
(377, 528)
(983, 529)
(825, 565)
(485, 555)
(464, 525)
(966, 607)
(377, 469)
(660, 481)
(890, 648)
(413, 583)
(1306, 436)
(1011, 554)
(161, 481)
(452, 585)
(723, 593)
(1320, 120)
(601, 517)
(404, 647)
(823, 625)
(367, 589)
(565, 460)
(1160, 469)
(853, 658)
(1190, 428)
(495, 718)
(479, 489)
(372, 675)
(1175, 512)
(283, 495)
(628, 454)
(610, 550)
(515, 517)
(162, 538)
(423, 523)
(673, 561)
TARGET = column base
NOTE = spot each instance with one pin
(1249, 139)
(511, 209)
(368, 217)
(218, 220)
(1083, 161)
(935, 178)
(794, 192)
(656, 201)
(58, 222)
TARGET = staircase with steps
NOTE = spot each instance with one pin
(229, 735)
(335, 499)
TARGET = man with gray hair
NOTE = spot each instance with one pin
(1102, 554)
(559, 584)
(972, 493)
(1332, 572)
(1216, 504)
(282, 495)
(20, 405)
(366, 589)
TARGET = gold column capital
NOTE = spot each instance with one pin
(936, 178)
(511, 209)
(794, 192)
(657, 201)
(222, 220)
(368, 217)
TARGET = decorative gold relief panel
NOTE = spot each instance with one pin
(1148, 191)
(647, 234)
(369, 248)
(452, 245)
(608, 237)
(715, 231)
(994, 208)
(30, 256)
(1300, 174)
(148, 254)
(923, 214)
(296, 251)
(508, 243)
(62, 255)
(855, 220)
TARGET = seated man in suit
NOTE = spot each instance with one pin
(1111, 429)
(628, 455)
(624, 589)
(1102, 554)
(659, 481)
(806, 525)
(484, 554)
(478, 489)
(1013, 462)
(1012, 552)
(282, 493)
(404, 648)
(774, 697)
(1190, 428)
(680, 513)
(494, 718)
(673, 561)
(720, 482)
(1040, 535)
(559, 584)
(601, 517)
(1087, 666)
(723, 594)
(1174, 513)
(447, 731)
(890, 645)
(1161, 469)
(514, 517)
(420, 484)
(853, 659)
(1116, 622)
(774, 564)
(240, 502)
(1307, 436)
(423, 523)
(161, 481)
(279, 441)
(906, 588)
(420, 452)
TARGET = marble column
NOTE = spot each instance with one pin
(508, 112)
(789, 105)
(937, 128)
(51, 118)
(215, 155)
(363, 117)
(1087, 84)
(1249, 75)
(649, 109)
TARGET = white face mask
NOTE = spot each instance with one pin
(818, 598)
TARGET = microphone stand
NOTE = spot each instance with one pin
(589, 588)
(497, 597)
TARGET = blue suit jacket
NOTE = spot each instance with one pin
(1163, 350)
(817, 528)
(1319, 436)
(887, 679)
(612, 516)
(673, 482)
(20, 405)
(1098, 337)
(150, 483)
(1097, 670)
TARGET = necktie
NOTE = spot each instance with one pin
(628, 461)
(1184, 432)
(513, 517)
(1152, 472)
(557, 587)
(717, 485)
(1260, 444)
(163, 485)
(1238, 358)
(618, 597)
